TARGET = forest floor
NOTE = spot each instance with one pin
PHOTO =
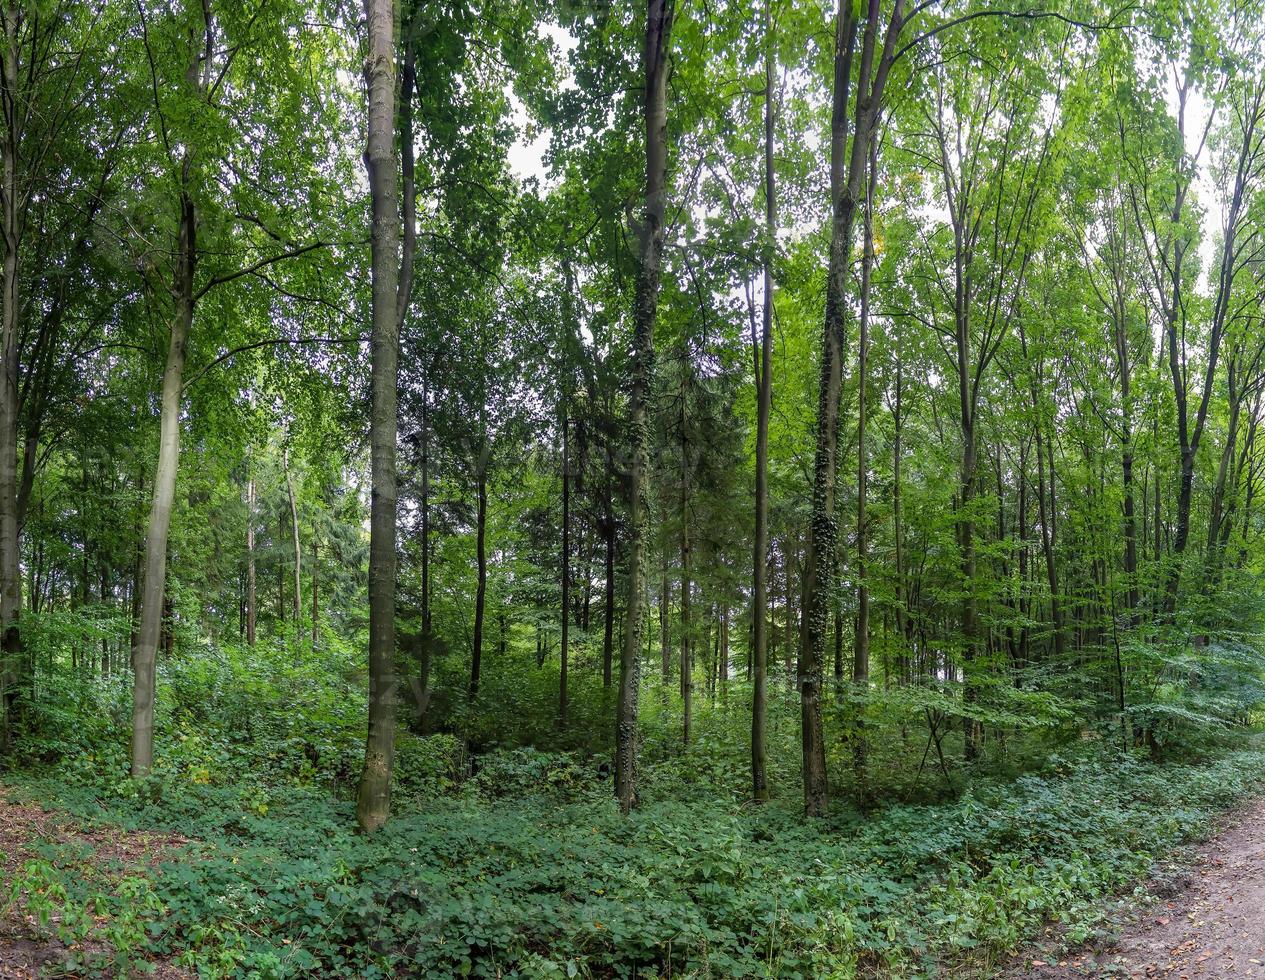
(30, 947)
(81, 895)
(1206, 920)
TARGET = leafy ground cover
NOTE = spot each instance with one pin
(462, 884)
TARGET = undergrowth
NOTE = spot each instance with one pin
(560, 884)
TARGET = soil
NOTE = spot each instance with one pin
(28, 949)
(1208, 922)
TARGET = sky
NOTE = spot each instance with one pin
(527, 157)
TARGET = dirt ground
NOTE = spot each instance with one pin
(28, 950)
(1208, 923)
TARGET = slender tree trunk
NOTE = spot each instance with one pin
(297, 599)
(10, 548)
(316, 604)
(608, 534)
(823, 530)
(1124, 369)
(586, 599)
(425, 518)
(426, 637)
(861, 653)
(252, 613)
(659, 15)
(152, 602)
(481, 591)
(1045, 506)
(687, 626)
(792, 554)
(566, 564)
(723, 666)
(138, 575)
(1224, 468)
(665, 630)
(1022, 527)
(281, 577)
(764, 401)
(392, 283)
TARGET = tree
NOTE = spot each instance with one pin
(659, 21)
(392, 271)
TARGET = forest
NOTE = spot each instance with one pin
(604, 488)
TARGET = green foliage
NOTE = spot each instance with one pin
(560, 884)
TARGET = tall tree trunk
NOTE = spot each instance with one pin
(1216, 510)
(316, 605)
(281, 576)
(687, 626)
(566, 563)
(252, 613)
(608, 534)
(481, 591)
(1124, 367)
(138, 574)
(659, 14)
(1045, 506)
(426, 637)
(12, 216)
(152, 604)
(861, 652)
(823, 532)
(1021, 519)
(1231, 261)
(297, 599)
(723, 666)
(392, 283)
(426, 621)
(764, 401)
(792, 553)
(665, 631)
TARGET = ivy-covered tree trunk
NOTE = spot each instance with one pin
(847, 171)
(659, 14)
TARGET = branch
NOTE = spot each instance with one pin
(272, 342)
(1109, 25)
(261, 264)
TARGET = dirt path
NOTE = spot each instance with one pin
(1213, 925)
(28, 949)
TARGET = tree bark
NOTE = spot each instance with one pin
(823, 533)
(608, 534)
(152, 604)
(659, 15)
(297, 598)
(481, 591)
(687, 626)
(861, 651)
(391, 286)
(565, 558)
(316, 605)
(12, 215)
(252, 612)
(764, 402)
(665, 631)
